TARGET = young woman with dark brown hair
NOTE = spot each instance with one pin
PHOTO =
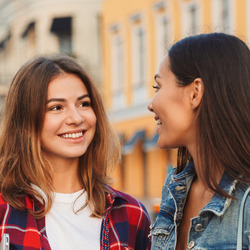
(201, 106)
(56, 146)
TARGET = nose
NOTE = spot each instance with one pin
(150, 107)
(74, 116)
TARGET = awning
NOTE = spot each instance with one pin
(129, 146)
(151, 143)
(29, 27)
(4, 41)
(148, 143)
(61, 25)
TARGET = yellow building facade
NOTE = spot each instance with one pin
(135, 36)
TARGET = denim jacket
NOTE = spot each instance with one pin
(216, 226)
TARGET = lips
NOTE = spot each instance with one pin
(74, 135)
(158, 121)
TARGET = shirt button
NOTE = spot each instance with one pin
(190, 244)
(198, 228)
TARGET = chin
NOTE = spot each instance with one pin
(162, 145)
(166, 145)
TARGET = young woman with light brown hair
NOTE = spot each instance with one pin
(56, 147)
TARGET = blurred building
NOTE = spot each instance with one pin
(121, 43)
(136, 35)
(41, 27)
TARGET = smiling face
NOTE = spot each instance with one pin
(174, 114)
(70, 122)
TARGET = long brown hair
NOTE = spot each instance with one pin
(223, 119)
(21, 159)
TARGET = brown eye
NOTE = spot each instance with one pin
(85, 104)
(56, 107)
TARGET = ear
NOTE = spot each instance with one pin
(196, 94)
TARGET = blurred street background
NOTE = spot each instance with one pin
(120, 43)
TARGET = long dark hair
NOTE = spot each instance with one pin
(222, 61)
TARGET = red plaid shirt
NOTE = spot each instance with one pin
(125, 225)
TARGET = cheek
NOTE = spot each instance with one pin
(155, 103)
(46, 125)
(92, 119)
(51, 121)
(160, 103)
(43, 139)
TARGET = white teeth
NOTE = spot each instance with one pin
(158, 122)
(73, 135)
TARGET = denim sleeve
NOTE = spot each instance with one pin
(161, 229)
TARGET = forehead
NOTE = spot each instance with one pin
(164, 66)
(66, 84)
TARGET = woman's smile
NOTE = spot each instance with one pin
(70, 122)
(73, 135)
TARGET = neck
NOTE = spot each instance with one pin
(65, 176)
(200, 179)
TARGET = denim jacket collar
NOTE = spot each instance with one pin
(218, 203)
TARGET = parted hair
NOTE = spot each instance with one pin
(22, 163)
(222, 61)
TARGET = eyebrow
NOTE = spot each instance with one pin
(82, 97)
(64, 100)
(156, 76)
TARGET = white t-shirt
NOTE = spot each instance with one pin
(69, 230)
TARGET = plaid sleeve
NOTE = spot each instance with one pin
(22, 227)
(128, 224)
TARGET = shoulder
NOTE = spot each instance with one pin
(186, 173)
(242, 201)
(121, 198)
(4, 206)
(128, 206)
(7, 213)
(128, 220)
(24, 229)
(2, 201)
(170, 176)
(12, 216)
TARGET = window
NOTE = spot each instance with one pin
(190, 18)
(62, 27)
(223, 15)
(6, 47)
(139, 59)
(29, 40)
(193, 18)
(65, 44)
(117, 68)
(162, 29)
(140, 46)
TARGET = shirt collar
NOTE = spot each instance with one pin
(189, 170)
(227, 183)
(114, 195)
(219, 203)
